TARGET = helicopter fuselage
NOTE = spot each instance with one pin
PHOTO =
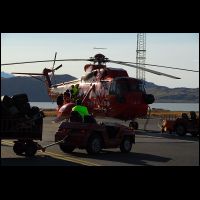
(108, 92)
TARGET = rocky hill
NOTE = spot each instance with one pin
(6, 75)
(35, 89)
(37, 92)
(173, 95)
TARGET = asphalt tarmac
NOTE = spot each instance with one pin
(152, 148)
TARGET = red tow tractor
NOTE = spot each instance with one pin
(94, 137)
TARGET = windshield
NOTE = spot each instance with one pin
(123, 86)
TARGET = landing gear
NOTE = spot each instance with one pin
(180, 130)
(134, 125)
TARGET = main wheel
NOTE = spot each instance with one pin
(94, 145)
(180, 130)
(66, 148)
(134, 125)
(126, 145)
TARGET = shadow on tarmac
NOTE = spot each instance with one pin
(38, 160)
(129, 158)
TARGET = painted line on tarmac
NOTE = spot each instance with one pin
(59, 156)
(72, 159)
(8, 143)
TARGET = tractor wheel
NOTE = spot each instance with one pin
(194, 134)
(19, 148)
(126, 145)
(94, 144)
(30, 149)
(180, 130)
(66, 148)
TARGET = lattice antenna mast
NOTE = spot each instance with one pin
(141, 56)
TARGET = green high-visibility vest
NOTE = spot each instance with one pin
(82, 110)
(75, 91)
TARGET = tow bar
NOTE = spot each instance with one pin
(43, 148)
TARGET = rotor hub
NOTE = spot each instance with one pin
(99, 58)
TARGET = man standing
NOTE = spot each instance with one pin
(67, 97)
(65, 110)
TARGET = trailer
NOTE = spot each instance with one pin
(21, 123)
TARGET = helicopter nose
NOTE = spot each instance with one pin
(149, 98)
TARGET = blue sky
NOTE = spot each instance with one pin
(170, 49)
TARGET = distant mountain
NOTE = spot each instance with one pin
(164, 94)
(6, 75)
(37, 91)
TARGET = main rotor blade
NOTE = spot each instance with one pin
(54, 60)
(165, 67)
(36, 74)
(145, 69)
(39, 61)
(99, 48)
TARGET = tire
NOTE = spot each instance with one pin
(165, 130)
(30, 149)
(126, 145)
(19, 148)
(134, 125)
(66, 148)
(94, 144)
(180, 130)
(194, 134)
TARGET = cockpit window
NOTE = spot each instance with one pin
(119, 87)
(122, 86)
(112, 88)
